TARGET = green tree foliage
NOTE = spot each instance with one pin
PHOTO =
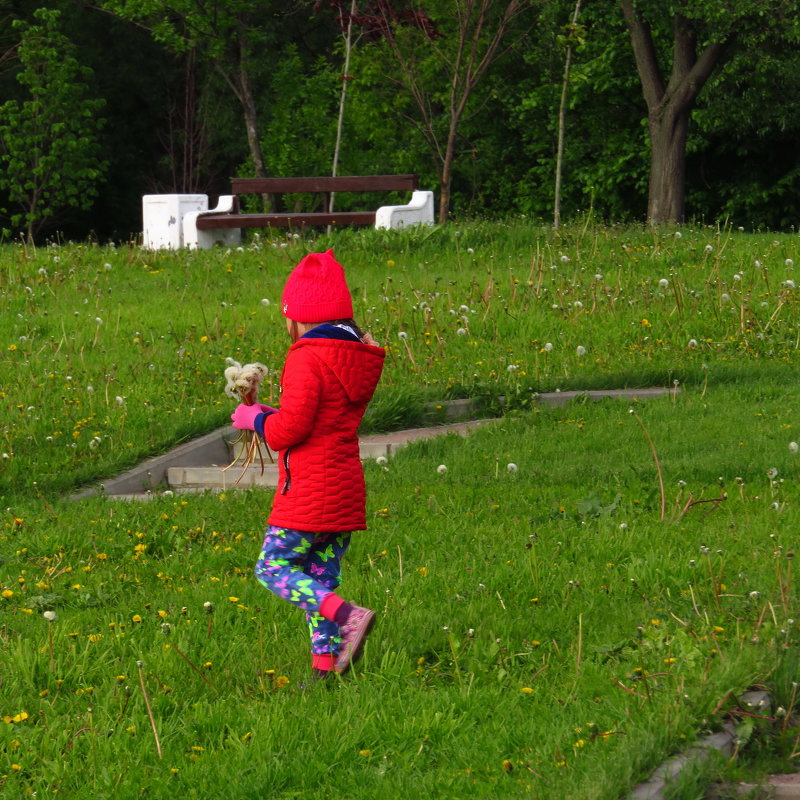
(48, 142)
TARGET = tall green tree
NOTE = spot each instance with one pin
(678, 46)
(48, 141)
(440, 68)
(237, 37)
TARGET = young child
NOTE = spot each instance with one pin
(329, 376)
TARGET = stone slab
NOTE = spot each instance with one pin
(214, 447)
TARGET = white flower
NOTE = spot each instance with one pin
(580, 350)
(50, 616)
(793, 447)
(441, 469)
(243, 381)
(511, 467)
(598, 276)
(663, 283)
(548, 347)
(512, 367)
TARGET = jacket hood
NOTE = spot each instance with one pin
(357, 366)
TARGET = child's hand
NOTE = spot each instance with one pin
(245, 416)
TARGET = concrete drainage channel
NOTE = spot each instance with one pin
(201, 464)
(776, 787)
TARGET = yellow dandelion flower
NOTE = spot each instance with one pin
(365, 753)
(7, 593)
(507, 765)
(281, 681)
(526, 690)
(136, 618)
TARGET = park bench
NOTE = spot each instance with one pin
(200, 227)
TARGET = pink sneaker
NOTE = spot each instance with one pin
(353, 632)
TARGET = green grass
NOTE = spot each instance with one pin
(110, 355)
(542, 631)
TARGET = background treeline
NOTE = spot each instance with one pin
(100, 104)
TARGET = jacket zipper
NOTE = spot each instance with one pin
(288, 480)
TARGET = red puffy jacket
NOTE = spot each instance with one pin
(325, 387)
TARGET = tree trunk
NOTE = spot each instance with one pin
(669, 106)
(446, 178)
(668, 128)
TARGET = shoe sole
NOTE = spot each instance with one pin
(357, 650)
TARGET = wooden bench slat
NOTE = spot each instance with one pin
(340, 183)
(301, 219)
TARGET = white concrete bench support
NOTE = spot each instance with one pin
(418, 211)
(162, 218)
(203, 240)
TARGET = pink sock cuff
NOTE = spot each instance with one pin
(330, 604)
(323, 661)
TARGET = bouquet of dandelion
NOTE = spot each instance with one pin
(242, 384)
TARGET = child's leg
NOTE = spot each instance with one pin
(304, 569)
(285, 566)
(323, 563)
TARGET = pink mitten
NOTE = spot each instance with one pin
(245, 416)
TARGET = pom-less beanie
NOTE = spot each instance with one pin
(316, 291)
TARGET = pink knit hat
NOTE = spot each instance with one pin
(316, 290)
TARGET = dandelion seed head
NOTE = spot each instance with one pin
(402, 335)
(381, 460)
(441, 469)
(709, 248)
(548, 347)
(663, 283)
(511, 467)
(50, 616)
(794, 447)
(580, 350)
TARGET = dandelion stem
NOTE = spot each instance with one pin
(658, 465)
(149, 709)
(189, 662)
